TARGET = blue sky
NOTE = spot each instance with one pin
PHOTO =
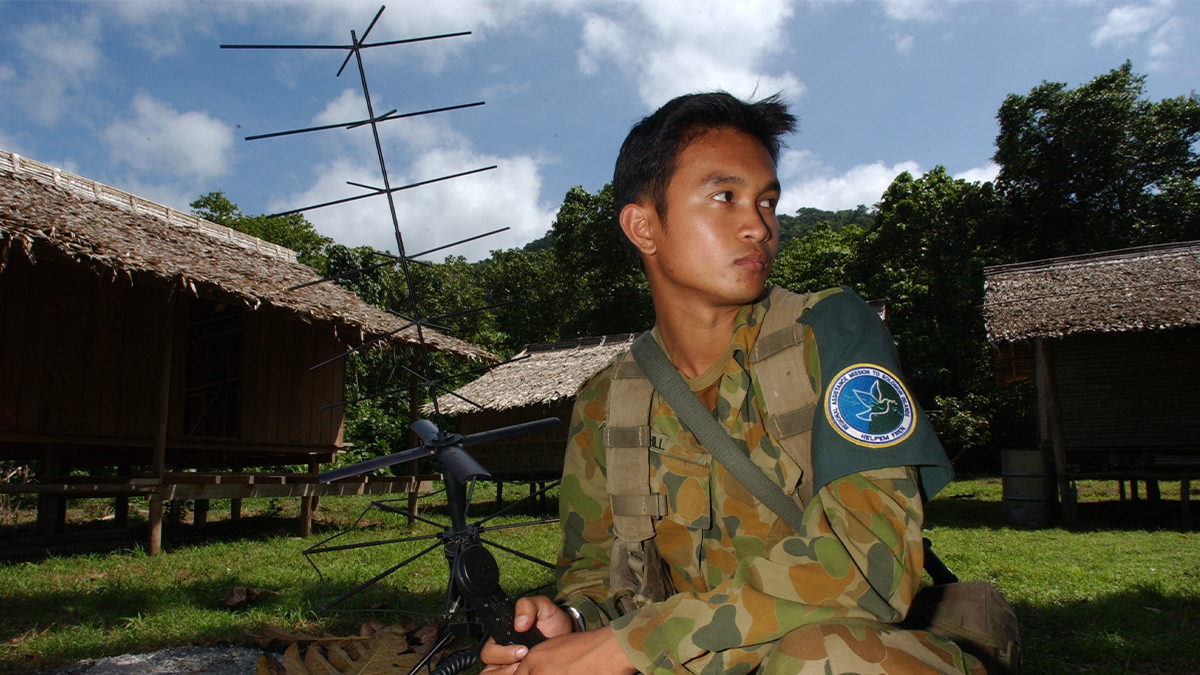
(137, 95)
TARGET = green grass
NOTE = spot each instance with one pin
(59, 610)
(1118, 593)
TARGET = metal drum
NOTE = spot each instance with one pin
(1029, 490)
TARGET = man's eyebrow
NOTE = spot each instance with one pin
(733, 179)
(723, 179)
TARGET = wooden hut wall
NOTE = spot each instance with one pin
(282, 394)
(534, 456)
(81, 359)
(79, 356)
(1132, 391)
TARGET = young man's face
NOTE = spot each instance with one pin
(721, 235)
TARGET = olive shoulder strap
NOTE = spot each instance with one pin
(671, 387)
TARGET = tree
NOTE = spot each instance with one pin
(533, 282)
(925, 256)
(808, 219)
(819, 259)
(292, 231)
(1098, 167)
(608, 292)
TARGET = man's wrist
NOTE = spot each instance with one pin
(577, 624)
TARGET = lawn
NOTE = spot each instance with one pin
(1118, 593)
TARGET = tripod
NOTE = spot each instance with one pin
(474, 576)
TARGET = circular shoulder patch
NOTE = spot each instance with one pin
(869, 406)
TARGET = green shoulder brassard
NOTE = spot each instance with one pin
(866, 419)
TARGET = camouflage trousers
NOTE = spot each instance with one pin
(865, 647)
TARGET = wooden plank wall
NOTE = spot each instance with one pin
(80, 358)
(282, 396)
(1134, 390)
(79, 353)
(534, 455)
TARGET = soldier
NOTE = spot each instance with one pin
(722, 584)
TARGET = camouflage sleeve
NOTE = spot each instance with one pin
(859, 555)
(584, 511)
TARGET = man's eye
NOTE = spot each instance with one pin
(726, 196)
(768, 203)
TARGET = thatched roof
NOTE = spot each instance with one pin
(550, 372)
(1151, 287)
(117, 233)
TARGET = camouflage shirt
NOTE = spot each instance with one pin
(743, 577)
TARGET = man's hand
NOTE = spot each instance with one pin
(532, 611)
(592, 653)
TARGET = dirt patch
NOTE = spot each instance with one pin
(206, 660)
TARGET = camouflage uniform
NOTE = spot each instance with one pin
(750, 590)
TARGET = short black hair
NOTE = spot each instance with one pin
(648, 155)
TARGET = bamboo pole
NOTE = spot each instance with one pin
(306, 502)
(158, 458)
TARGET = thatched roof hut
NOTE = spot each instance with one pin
(1146, 288)
(543, 383)
(1110, 341)
(132, 335)
(546, 373)
(116, 233)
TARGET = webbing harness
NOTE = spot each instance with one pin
(777, 364)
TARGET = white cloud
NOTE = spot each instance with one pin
(56, 59)
(431, 215)
(915, 10)
(189, 145)
(809, 183)
(903, 43)
(332, 21)
(673, 47)
(980, 174)
(1127, 23)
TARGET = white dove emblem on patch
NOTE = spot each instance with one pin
(875, 402)
(868, 405)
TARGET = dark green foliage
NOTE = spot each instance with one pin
(607, 290)
(817, 260)
(1098, 167)
(292, 231)
(534, 281)
(808, 219)
(925, 258)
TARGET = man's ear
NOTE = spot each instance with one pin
(640, 223)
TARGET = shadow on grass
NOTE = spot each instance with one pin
(966, 511)
(1138, 630)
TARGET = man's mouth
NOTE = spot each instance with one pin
(754, 261)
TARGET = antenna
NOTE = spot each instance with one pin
(473, 570)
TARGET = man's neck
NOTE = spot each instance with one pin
(694, 336)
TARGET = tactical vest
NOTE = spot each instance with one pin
(777, 365)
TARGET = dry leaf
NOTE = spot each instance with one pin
(268, 666)
(292, 665)
(370, 628)
(274, 633)
(425, 637)
(385, 652)
(241, 594)
(262, 640)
